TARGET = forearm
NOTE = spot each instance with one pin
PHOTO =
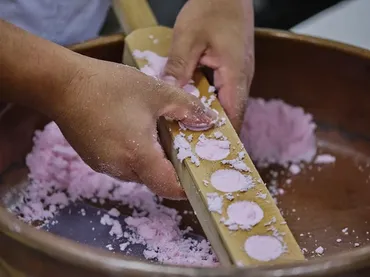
(33, 72)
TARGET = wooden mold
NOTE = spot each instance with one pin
(227, 244)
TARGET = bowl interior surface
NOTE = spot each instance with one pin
(329, 80)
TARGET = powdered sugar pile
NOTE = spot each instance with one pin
(275, 132)
(59, 177)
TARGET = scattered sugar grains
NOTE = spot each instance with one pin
(212, 149)
(319, 250)
(184, 150)
(59, 177)
(324, 159)
(275, 132)
(229, 180)
(215, 202)
(264, 248)
(252, 214)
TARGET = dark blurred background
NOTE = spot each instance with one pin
(278, 14)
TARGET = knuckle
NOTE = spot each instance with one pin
(175, 64)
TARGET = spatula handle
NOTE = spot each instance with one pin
(134, 14)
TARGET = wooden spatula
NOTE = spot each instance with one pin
(136, 18)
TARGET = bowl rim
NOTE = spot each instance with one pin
(99, 259)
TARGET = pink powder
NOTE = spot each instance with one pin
(264, 248)
(229, 180)
(59, 176)
(212, 149)
(275, 132)
(244, 214)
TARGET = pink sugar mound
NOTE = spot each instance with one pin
(275, 132)
(59, 177)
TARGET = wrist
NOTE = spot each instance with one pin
(68, 89)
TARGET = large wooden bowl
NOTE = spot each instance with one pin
(330, 80)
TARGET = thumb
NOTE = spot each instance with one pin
(183, 58)
(156, 172)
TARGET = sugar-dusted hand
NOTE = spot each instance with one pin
(112, 123)
(218, 34)
(107, 111)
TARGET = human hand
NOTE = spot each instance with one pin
(108, 113)
(218, 34)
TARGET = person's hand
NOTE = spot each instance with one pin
(108, 113)
(218, 34)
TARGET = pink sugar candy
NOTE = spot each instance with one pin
(275, 132)
(58, 177)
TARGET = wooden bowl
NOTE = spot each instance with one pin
(328, 79)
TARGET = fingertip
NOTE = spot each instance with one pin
(160, 177)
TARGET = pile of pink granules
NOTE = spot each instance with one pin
(59, 177)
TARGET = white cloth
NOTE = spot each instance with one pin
(348, 22)
(61, 21)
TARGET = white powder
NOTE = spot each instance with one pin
(114, 212)
(229, 180)
(208, 101)
(263, 248)
(261, 195)
(220, 122)
(184, 149)
(123, 246)
(294, 169)
(319, 250)
(241, 155)
(218, 134)
(237, 164)
(229, 196)
(106, 220)
(212, 149)
(244, 214)
(116, 229)
(215, 202)
(211, 89)
(324, 159)
(272, 221)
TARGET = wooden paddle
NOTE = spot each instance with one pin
(138, 20)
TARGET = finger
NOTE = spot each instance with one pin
(157, 172)
(184, 55)
(232, 78)
(185, 107)
(232, 94)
